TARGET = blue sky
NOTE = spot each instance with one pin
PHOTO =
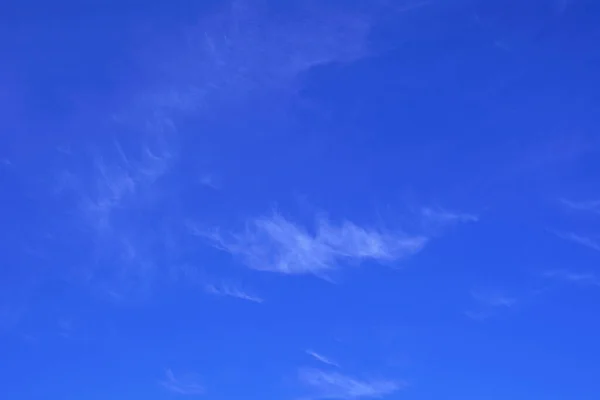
(300, 200)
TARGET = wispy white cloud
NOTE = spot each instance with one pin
(185, 385)
(494, 298)
(334, 385)
(118, 181)
(112, 199)
(276, 244)
(488, 302)
(322, 358)
(585, 279)
(558, 149)
(242, 49)
(478, 315)
(232, 291)
(586, 241)
(587, 206)
(290, 46)
(445, 217)
(106, 197)
(209, 180)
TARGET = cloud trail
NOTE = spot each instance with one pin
(489, 302)
(592, 206)
(232, 291)
(322, 358)
(276, 244)
(578, 278)
(187, 385)
(334, 385)
(580, 239)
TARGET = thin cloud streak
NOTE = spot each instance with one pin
(242, 49)
(579, 239)
(584, 279)
(277, 244)
(232, 291)
(494, 298)
(445, 216)
(592, 206)
(334, 385)
(489, 302)
(113, 197)
(322, 358)
(187, 386)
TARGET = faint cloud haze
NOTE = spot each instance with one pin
(578, 278)
(494, 298)
(242, 49)
(276, 244)
(334, 385)
(111, 199)
(232, 291)
(322, 358)
(586, 241)
(589, 206)
(439, 218)
(488, 302)
(187, 385)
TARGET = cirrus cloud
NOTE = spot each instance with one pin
(187, 385)
(276, 244)
(335, 385)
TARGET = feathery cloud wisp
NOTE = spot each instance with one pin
(590, 279)
(279, 245)
(442, 216)
(588, 206)
(113, 198)
(118, 184)
(242, 49)
(232, 291)
(579, 239)
(186, 385)
(322, 358)
(334, 385)
(489, 302)
(494, 299)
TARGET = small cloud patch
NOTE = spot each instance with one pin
(334, 385)
(187, 385)
(277, 244)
